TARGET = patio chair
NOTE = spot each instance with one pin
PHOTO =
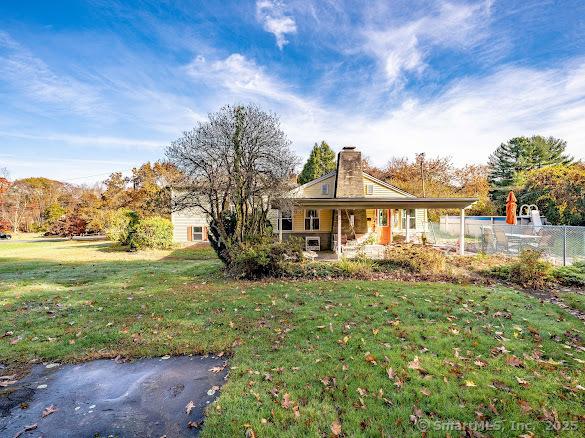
(503, 242)
(488, 240)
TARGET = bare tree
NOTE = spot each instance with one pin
(238, 163)
(17, 200)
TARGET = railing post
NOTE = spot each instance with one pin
(279, 225)
(564, 245)
(462, 233)
(339, 233)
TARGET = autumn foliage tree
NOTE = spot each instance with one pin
(558, 191)
(441, 179)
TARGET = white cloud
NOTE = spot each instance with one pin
(271, 13)
(243, 78)
(467, 121)
(403, 48)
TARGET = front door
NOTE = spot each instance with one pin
(383, 226)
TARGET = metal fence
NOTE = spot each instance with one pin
(562, 245)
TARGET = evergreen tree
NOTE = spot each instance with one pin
(320, 162)
(511, 160)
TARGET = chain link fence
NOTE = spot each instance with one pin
(562, 245)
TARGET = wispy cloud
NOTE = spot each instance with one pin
(272, 15)
(467, 120)
(403, 48)
(21, 69)
(87, 140)
(243, 78)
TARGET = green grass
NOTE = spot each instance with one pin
(326, 346)
(574, 300)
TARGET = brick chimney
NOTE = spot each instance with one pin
(349, 182)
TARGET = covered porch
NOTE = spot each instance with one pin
(368, 224)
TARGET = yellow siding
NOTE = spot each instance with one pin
(314, 190)
(380, 191)
(325, 216)
(299, 220)
(325, 220)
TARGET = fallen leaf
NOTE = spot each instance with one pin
(370, 358)
(470, 383)
(296, 411)
(522, 382)
(336, 428)
(286, 401)
(480, 363)
(514, 361)
(189, 407)
(250, 433)
(552, 417)
(48, 411)
(391, 373)
(26, 429)
(524, 406)
(415, 365)
(194, 424)
(425, 391)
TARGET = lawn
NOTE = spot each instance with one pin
(369, 358)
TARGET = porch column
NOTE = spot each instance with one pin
(338, 232)
(407, 238)
(462, 232)
(279, 225)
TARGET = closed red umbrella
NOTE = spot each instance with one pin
(511, 205)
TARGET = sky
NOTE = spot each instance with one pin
(88, 87)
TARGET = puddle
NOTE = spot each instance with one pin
(144, 398)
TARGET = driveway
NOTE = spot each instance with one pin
(145, 398)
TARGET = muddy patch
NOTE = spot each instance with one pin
(144, 398)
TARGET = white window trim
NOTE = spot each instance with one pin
(369, 189)
(312, 220)
(193, 233)
(285, 215)
(412, 219)
(325, 189)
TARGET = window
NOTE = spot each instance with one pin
(324, 189)
(197, 233)
(311, 220)
(383, 218)
(287, 223)
(369, 189)
(396, 219)
(412, 224)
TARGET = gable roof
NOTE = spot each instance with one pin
(388, 185)
(315, 181)
(366, 175)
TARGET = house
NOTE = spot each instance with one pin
(340, 211)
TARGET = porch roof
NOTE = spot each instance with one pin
(370, 202)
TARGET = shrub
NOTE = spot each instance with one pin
(152, 232)
(67, 226)
(528, 270)
(417, 258)
(263, 257)
(118, 225)
(358, 268)
(573, 275)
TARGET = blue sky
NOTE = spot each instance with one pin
(89, 87)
